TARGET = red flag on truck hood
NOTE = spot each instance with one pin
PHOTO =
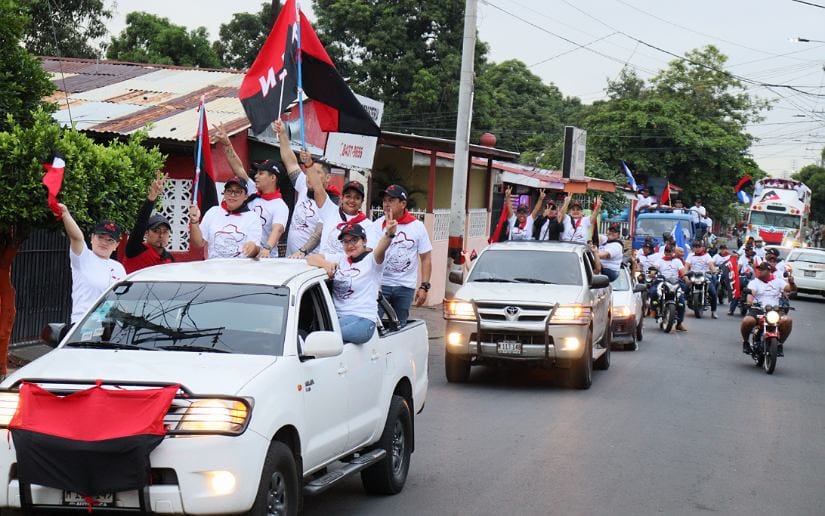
(91, 442)
(276, 70)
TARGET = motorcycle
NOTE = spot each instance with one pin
(765, 336)
(669, 292)
(723, 285)
(697, 294)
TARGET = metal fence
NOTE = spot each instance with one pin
(43, 280)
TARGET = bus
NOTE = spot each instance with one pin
(780, 211)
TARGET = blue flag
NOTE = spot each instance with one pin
(679, 235)
(743, 196)
(630, 179)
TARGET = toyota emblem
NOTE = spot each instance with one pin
(512, 312)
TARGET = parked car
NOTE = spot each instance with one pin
(627, 324)
(808, 266)
(530, 303)
(269, 404)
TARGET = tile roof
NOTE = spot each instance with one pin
(121, 98)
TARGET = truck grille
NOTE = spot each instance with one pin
(510, 312)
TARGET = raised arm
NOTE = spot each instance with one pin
(196, 237)
(560, 214)
(539, 204)
(235, 163)
(287, 156)
(508, 205)
(594, 217)
(134, 246)
(76, 242)
(386, 239)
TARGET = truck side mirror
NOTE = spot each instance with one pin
(52, 333)
(323, 344)
(457, 277)
(599, 281)
(639, 287)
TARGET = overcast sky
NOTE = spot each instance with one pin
(755, 34)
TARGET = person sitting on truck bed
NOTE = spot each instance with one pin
(576, 227)
(679, 206)
(356, 279)
(551, 225)
(610, 253)
(645, 200)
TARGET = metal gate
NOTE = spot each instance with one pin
(43, 280)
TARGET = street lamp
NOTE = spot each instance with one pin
(805, 40)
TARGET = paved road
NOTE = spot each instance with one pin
(685, 425)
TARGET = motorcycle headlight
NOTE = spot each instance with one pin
(459, 309)
(772, 317)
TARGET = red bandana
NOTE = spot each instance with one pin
(770, 278)
(358, 218)
(333, 191)
(700, 254)
(270, 196)
(406, 218)
(229, 212)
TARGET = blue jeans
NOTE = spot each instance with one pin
(400, 298)
(356, 330)
(610, 273)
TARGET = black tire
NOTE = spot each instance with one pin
(581, 372)
(698, 305)
(603, 362)
(457, 369)
(640, 330)
(278, 491)
(388, 476)
(770, 355)
(669, 318)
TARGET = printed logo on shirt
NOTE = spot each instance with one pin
(228, 242)
(342, 282)
(304, 211)
(401, 254)
(260, 211)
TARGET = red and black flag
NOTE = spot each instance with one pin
(271, 84)
(53, 181)
(206, 193)
(91, 442)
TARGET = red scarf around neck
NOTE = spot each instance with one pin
(269, 196)
(357, 219)
(406, 218)
(237, 212)
(700, 254)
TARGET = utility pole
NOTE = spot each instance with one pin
(458, 207)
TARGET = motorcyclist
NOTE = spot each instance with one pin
(778, 267)
(647, 258)
(700, 261)
(722, 261)
(767, 289)
(747, 267)
(671, 269)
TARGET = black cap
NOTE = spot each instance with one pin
(522, 208)
(158, 220)
(764, 265)
(397, 191)
(353, 185)
(648, 244)
(272, 166)
(614, 228)
(107, 227)
(772, 251)
(355, 230)
(698, 243)
(235, 180)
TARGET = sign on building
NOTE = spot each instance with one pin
(575, 147)
(355, 151)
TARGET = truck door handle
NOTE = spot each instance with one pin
(375, 356)
(342, 370)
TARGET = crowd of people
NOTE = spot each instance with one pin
(391, 255)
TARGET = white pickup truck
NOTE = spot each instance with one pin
(272, 405)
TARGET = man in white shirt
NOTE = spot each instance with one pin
(93, 271)
(646, 258)
(767, 289)
(698, 213)
(671, 268)
(232, 230)
(700, 261)
(577, 228)
(644, 200)
(611, 253)
(410, 245)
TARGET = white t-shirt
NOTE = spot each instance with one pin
(646, 262)
(355, 286)
(699, 263)
(227, 233)
(576, 232)
(720, 260)
(614, 261)
(697, 212)
(760, 252)
(304, 217)
(670, 268)
(518, 233)
(643, 202)
(767, 293)
(91, 276)
(401, 258)
(270, 212)
(331, 218)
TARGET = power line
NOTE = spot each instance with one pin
(808, 3)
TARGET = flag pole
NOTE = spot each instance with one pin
(202, 108)
(300, 79)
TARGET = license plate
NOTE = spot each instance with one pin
(76, 499)
(508, 347)
(810, 274)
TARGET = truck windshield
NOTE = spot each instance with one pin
(203, 317)
(779, 220)
(523, 266)
(656, 227)
(622, 281)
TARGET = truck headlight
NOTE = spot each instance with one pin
(215, 416)
(772, 317)
(8, 407)
(622, 311)
(571, 314)
(459, 309)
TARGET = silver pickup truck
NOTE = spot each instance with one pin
(531, 303)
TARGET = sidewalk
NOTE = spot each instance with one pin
(23, 353)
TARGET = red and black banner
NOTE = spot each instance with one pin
(91, 442)
(271, 84)
(207, 194)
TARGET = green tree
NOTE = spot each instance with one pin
(67, 28)
(814, 177)
(687, 125)
(22, 81)
(99, 182)
(151, 39)
(242, 38)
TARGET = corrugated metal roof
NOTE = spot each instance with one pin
(121, 98)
